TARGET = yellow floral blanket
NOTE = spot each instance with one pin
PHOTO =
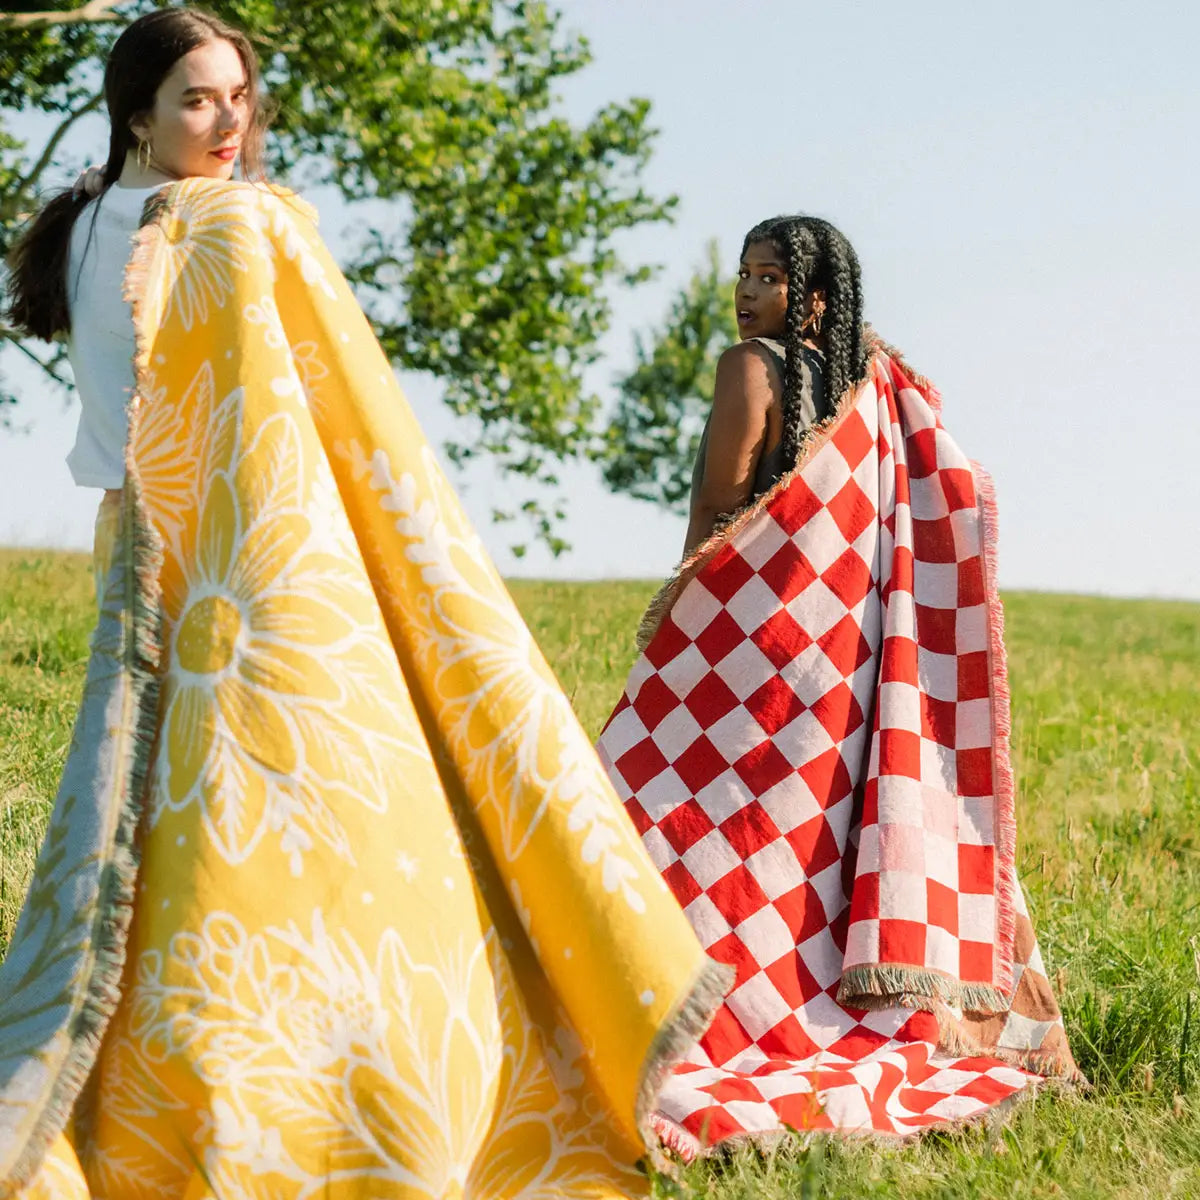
(391, 933)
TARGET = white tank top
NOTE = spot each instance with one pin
(100, 348)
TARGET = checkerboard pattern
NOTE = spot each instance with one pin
(814, 748)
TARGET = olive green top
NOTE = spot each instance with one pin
(770, 467)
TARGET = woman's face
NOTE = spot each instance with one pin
(201, 111)
(760, 297)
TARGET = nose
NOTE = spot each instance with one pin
(228, 119)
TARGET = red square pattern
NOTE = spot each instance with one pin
(905, 1087)
(781, 638)
(726, 574)
(971, 589)
(710, 700)
(974, 676)
(654, 702)
(938, 720)
(685, 825)
(936, 628)
(839, 712)
(641, 764)
(718, 637)
(749, 829)
(941, 903)
(902, 941)
(849, 579)
(787, 573)
(763, 767)
(845, 646)
(853, 511)
(666, 644)
(699, 765)
(738, 895)
(796, 507)
(774, 705)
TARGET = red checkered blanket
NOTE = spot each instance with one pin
(814, 746)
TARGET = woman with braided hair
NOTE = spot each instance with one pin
(799, 311)
(814, 743)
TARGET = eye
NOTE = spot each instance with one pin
(770, 279)
(743, 274)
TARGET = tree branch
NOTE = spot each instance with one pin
(14, 338)
(92, 11)
(43, 162)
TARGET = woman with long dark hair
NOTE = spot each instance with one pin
(814, 742)
(181, 88)
(297, 925)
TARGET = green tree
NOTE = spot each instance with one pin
(648, 449)
(492, 268)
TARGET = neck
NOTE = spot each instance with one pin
(134, 175)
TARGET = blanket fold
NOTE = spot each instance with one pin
(392, 933)
(814, 745)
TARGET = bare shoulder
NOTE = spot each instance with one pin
(746, 375)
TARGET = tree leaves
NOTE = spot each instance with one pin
(493, 269)
(648, 449)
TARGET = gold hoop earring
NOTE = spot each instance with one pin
(144, 147)
(812, 323)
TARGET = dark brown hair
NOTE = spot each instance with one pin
(817, 256)
(141, 58)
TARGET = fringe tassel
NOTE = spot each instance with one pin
(1003, 783)
(876, 345)
(676, 1139)
(664, 599)
(874, 987)
(682, 1029)
(1058, 1065)
(139, 653)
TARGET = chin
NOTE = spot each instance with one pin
(214, 169)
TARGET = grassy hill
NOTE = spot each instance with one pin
(1106, 700)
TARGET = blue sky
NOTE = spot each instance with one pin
(1021, 184)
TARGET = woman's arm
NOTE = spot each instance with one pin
(746, 387)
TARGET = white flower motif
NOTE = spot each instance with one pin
(210, 235)
(277, 655)
(512, 730)
(294, 1024)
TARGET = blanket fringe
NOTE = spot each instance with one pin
(682, 1029)
(664, 599)
(770, 1141)
(1003, 781)
(955, 1041)
(819, 434)
(140, 652)
(874, 987)
(877, 345)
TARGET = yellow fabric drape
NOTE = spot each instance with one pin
(393, 934)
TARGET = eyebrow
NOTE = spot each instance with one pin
(769, 263)
(209, 91)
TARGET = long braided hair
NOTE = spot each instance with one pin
(817, 256)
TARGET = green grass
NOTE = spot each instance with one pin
(1107, 751)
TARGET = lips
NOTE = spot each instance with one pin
(226, 153)
(744, 316)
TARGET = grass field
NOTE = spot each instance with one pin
(1107, 747)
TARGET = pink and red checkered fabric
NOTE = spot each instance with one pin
(814, 747)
